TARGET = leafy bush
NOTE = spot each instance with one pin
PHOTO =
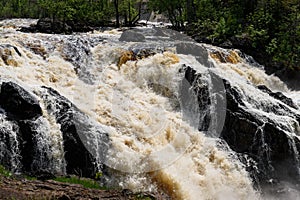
(5, 172)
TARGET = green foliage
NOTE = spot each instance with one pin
(5, 172)
(173, 9)
(30, 178)
(87, 183)
(98, 175)
(285, 47)
(272, 27)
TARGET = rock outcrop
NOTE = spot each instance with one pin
(24, 130)
(47, 25)
(50, 26)
(81, 136)
(18, 103)
(20, 189)
(20, 110)
(273, 146)
(132, 36)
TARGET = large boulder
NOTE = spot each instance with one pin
(272, 145)
(25, 135)
(18, 103)
(85, 142)
(263, 139)
(132, 36)
(20, 126)
(199, 52)
(47, 25)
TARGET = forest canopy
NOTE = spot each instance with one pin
(262, 28)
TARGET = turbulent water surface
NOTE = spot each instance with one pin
(154, 139)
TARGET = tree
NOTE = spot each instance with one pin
(174, 9)
(116, 4)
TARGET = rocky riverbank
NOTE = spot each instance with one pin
(22, 189)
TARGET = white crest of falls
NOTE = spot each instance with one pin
(147, 134)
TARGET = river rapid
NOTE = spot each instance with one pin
(152, 124)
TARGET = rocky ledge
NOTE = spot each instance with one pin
(21, 189)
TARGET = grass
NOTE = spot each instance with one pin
(5, 172)
(30, 178)
(87, 183)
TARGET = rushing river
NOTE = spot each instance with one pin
(155, 144)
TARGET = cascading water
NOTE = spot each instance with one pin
(9, 145)
(141, 121)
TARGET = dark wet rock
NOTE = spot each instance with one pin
(279, 96)
(42, 174)
(84, 142)
(77, 50)
(20, 143)
(26, 144)
(289, 76)
(227, 44)
(81, 136)
(79, 26)
(262, 139)
(29, 29)
(198, 99)
(144, 53)
(47, 25)
(132, 36)
(199, 52)
(18, 103)
(9, 145)
(8, 46)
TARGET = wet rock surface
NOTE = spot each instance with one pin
(272, 146)
(132, 36)
(21, 140)
(18, 103)
(50, 26)
(77, 131)
(279, 96)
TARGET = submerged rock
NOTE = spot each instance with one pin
(7, 52)
(125, 56)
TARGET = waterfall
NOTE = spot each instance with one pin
(155, 122)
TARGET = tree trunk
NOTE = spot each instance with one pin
(116, 3)
(190, 9)
(129, 13)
